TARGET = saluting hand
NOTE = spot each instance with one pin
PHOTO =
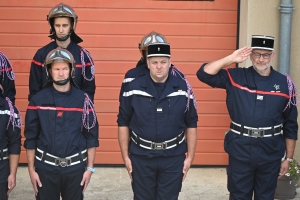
(11, 182)
(128, 165)
(241, 54)
(86, 179)
(35, 180)
(284, 168)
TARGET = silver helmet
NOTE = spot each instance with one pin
(60, 55)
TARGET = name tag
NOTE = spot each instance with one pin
(159, 110)
(259, 97)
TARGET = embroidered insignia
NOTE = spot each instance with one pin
(264, 42)
(59, 114)
(277, 87)
(158, 49)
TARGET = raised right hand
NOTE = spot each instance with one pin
(241, 54)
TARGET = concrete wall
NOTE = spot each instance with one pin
(263, 18)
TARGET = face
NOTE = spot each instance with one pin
(262, 60)
(159, 68)
(59, 71)
(62, 26)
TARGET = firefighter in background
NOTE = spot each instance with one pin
(10, 137)
(157, 113)
(62, 20)
(261, 103)
(7, 79)
(61, 131)
(141, 67)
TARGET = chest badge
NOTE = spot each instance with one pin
(60, 114)
(277, 87)
(260, 97)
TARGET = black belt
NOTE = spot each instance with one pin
(63, 162)
(255, 132)
(3, 154)
(157, 146)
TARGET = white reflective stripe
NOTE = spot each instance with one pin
(41, 151)
(244, 134)
(4, 150)
(168, 147)
(7, 112)
(138, 92)
(128, 80)
(260, 128)
(181, 93)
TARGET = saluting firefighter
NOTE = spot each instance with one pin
(155, 111)
(262, 106)
(62, 20)
(7, 79)
(61, 131)
(10, 146)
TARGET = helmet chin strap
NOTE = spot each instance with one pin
(62, 82)
(63, 38)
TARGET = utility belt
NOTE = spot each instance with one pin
(146, 144)
(63, 162)
(4, 154)
(256, 132)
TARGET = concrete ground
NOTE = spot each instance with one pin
(113, 183)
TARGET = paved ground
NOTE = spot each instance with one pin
(113, 183)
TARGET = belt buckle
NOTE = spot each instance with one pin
(158, 146)
(63, 162)
(255, 132)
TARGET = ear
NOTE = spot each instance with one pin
(148, 63)
(170, 62)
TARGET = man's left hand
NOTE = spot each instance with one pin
(86, 179)
(11, 183)
(284, 168)
(186, 166)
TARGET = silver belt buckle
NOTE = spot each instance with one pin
(63, 162)
(158, 146)
(255, 132)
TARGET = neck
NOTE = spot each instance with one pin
(62, 88)
(63, 44)
(159, 80)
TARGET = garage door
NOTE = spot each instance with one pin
(199, 31)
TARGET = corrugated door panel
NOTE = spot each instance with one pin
(197, 31)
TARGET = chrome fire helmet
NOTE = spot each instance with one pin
(60, 55)
(150, 38)
(63, 10)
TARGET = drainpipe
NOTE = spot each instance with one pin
(286, 9)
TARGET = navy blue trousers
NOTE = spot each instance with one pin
(157, 178)
(3, 191)
(55, 185)
(246, 178)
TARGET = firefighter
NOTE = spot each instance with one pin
(10, 146)
(261, 103)
(61, 131)
(156, 112)
(62, 20)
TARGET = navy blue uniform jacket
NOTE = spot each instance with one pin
(38, 73)
(53, 124)
(254, 101)
(138, 111)
(9, 138)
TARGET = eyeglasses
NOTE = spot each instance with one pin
(265, 55)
